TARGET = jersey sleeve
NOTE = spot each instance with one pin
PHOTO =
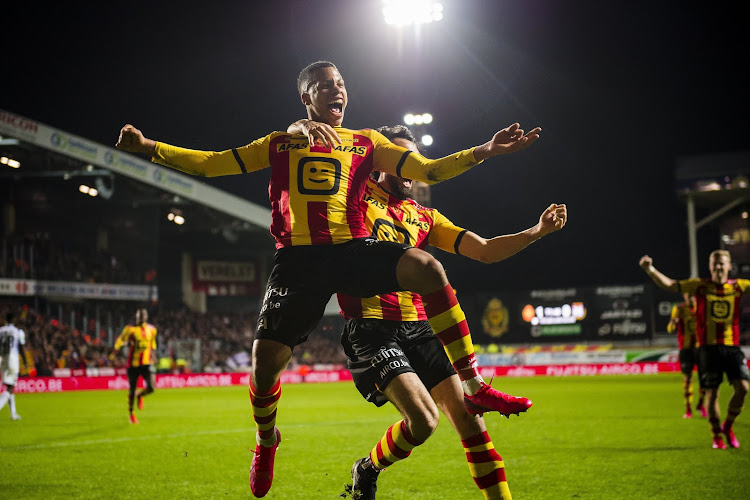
(21, 337)
(122, 338)
(407, 164)
(249, 158)
(444, 234)
(689, 286)
(671, 327)
(743, 284)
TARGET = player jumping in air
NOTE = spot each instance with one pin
(323, 245)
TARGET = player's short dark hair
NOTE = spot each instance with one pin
(399, 132)
(9, 317)
(305, 76)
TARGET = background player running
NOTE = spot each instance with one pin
(12, 340)
(718, 332)
(141, 339)
(682, 321)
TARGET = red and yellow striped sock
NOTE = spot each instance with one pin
(395, 445)
(487, 467)
(264, 410)
(448, 322)
(701, 396)
(732, 414)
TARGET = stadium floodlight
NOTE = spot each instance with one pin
(418, 120)
(93, 192)
(744, 215)
(426, 117)
(170, 216)
(4, 160)
(179, 220)
(14, 163)
(83, 188)
(409, 119)
(406, 12)
(427, 140)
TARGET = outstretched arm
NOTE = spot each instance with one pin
(190, 161)
(394, 160)
(662, 281)
(501, 247)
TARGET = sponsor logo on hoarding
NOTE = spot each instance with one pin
(18, 123)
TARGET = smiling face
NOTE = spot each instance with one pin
(325, 97)
(719, 263)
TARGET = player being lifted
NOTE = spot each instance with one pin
(392, 329)
(718, 331)
(323, 245)
(141, 338)
(682, 321)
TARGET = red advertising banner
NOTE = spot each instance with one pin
(120, 382)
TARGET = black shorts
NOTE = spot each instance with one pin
(688, 360)
(716, 360)
(304, 278)
(138, 371)
(379, 350)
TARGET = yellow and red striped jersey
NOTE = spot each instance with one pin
(685, 327)
(315, 192)
(404, 221)
(142, 341)
(717, 309)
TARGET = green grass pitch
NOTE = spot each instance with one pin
(608, 437)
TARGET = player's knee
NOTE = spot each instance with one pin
(423, 271)
(423, 424)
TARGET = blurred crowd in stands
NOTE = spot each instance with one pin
(224, 339)
(36, 256)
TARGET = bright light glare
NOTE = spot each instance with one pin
(427, 118)
(409, 119)
(93, 192)
(418, 120)
(84, 188)
(13, 163)
(179, 219)
(4, 159)
(427, 140)
(405, 12)
(744, 215)
(170, 216)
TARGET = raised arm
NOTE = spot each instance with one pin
(501, 247)
(662, 281)
(191, 161)
(416, 167)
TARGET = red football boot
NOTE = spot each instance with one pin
(488, 399)
(133, 420)
(703, 411)
(731, 438)
(261, 470)
(719, 443)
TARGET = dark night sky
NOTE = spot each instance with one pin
(621, 89)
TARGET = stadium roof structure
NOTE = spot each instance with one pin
(716, 182)
(46, 152)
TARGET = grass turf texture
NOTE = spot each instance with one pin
(584, 438)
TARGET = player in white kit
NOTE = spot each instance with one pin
(12, 340)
